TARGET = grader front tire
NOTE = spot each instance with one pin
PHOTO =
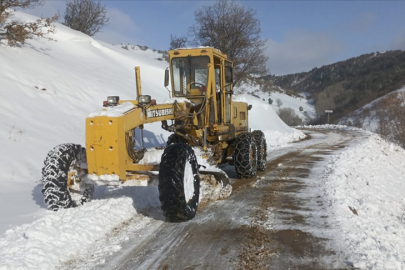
(179, 183)
(174, 138)
(63, 165)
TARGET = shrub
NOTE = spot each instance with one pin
(270, 101)
(16, 32)
(289, 117)
(86, 16)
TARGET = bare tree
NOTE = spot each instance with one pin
(279, 102)
(15, 31)
(177, 42)
(391, 113)
(234, 30)
(86, 16)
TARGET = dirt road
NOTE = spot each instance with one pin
(267, 222)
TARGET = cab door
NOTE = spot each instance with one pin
(228, 86)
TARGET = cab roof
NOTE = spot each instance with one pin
(199, 51)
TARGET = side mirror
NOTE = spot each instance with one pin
(167, 77)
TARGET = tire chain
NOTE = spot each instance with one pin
(54, 176)
(245, 166)
(171, 183)
(261, 144)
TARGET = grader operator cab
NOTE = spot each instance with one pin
(201, 114)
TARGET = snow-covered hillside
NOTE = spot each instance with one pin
(287, 101)
(47, 90)
(366, 117)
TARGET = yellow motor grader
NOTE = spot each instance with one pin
(200, 114)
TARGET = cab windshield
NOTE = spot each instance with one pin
(190, 75)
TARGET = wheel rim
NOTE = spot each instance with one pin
(76, 185)
(251, 155)
(188, 182)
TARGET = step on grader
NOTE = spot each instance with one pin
(200, 114)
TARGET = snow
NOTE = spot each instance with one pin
(292, 102)
(211, 190)
(188, 182)
(369, 179)
(49, 88)
(327, 126)
(116, 111)
(44, 241)
(363, 188)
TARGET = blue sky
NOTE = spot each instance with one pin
(300, 35)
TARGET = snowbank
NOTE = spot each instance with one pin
(276, 139)
(365, 188)
(41, 244)
(327, 126)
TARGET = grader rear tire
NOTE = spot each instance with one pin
(245, 156)
(179, 183)
(260, 140)
(63, 162)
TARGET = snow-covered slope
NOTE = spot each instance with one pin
(366, 117)
(287, 101)
(47, 89)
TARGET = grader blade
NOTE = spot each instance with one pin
(219, 175)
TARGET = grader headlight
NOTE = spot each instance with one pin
(111, 101)
(144, 99)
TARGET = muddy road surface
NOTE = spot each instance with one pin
(269, 222)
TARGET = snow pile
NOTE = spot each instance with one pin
(328, 126)
(41, 244)
(276, 139)
(211, 190)
(366, 190)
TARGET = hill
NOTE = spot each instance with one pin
(348, 85)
